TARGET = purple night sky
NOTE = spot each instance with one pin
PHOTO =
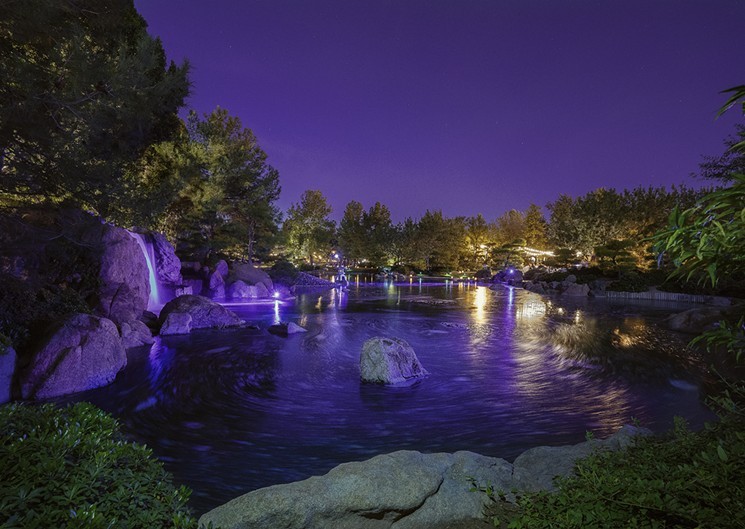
(475, 106)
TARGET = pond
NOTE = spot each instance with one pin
(234, 410)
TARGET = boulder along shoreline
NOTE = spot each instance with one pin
(406, 489)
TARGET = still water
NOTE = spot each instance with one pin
(234, 410)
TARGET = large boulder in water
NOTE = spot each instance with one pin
(82, 352)
(204, 312)
(135, 333)
(401, 490)
(251, 275)
(389, 361)
(240, 290)
(176, 323)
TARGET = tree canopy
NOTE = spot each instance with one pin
(224, 194)
(85, 91)
(308, 228)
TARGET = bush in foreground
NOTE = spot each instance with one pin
(70, 467)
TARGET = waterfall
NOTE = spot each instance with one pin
(149, 253)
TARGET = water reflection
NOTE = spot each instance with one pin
(230, 411)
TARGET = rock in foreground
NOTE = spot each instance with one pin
(389, 361)
(401, 490)
(404, 490)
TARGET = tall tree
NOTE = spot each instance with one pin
(85, 90)
(441, 241)
(249, 185)
(308, 228)
(378, 234)
(478, 242)
(535, 228)
(226, 189)
(509, 227)
(351, 232)
(407, 245)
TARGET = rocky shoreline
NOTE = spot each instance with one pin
(406, 489)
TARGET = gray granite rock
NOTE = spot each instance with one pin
(240, 290)
(176, 323)
(389, 361)
(135, 333)
(82, 352)
(402, 490)
(204, 312)
(167, 263)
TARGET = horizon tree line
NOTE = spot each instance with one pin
(604, 227)
(90, 119)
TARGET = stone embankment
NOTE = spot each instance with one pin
(405, 489)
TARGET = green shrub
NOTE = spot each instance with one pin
(70, 467)
(686, 479)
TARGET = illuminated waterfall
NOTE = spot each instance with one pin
(149, 253)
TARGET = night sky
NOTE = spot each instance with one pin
(470, 107)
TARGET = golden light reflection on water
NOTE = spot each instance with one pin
(531, 309)
(480, 300)
(551, 344)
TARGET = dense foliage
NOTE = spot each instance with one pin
(219, 192)
(308, 229)
(71, 467)
(605, 215)
(85, 91)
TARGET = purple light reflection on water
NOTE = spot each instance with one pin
(230, 411)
